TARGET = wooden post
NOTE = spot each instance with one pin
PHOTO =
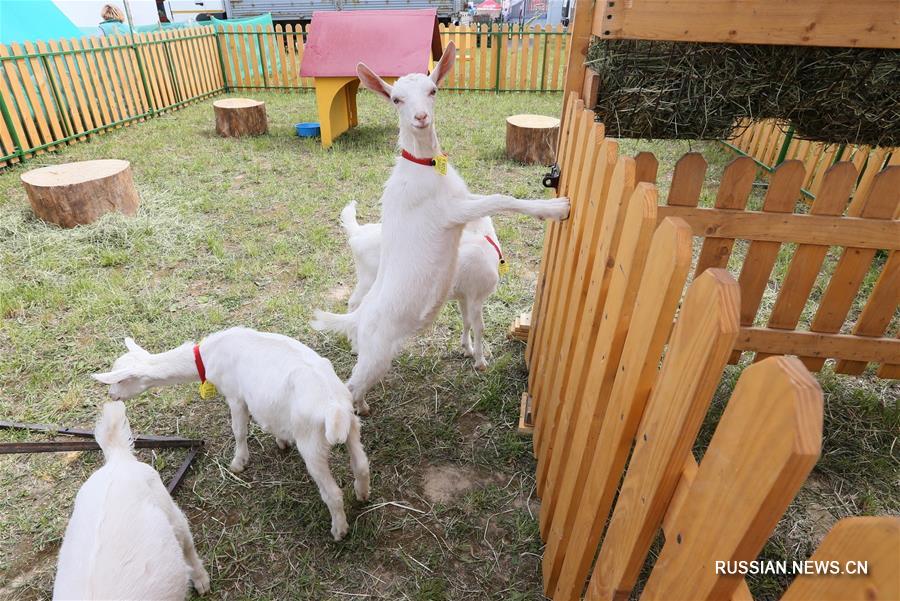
(78, 193)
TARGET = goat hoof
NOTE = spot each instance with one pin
(362, 409)
(282, 444)
(237, 465)
(201, 582)
(339, 531)
(362, 490)
(481, 365)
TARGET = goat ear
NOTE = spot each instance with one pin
(134, 347)
(113, 377)
(445, 64)
(370, 80)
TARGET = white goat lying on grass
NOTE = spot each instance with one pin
(126, 538)
(289, 390)
(475, 280)
(425, 207)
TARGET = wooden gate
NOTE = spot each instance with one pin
(611, 283)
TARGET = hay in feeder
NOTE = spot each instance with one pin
(689, 90)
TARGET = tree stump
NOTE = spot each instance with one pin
(236, 117)
(77, 193)
(532, 138)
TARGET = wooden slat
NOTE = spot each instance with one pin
(881, 203)
(873, 540)
(700, 344)
(68, 112)
(133, 72)
(646, 167)
(47, 104)
(734, 189)
(585, 396)
(799, 228)
(874, 163)
(120, 73)
(484, 62)
(873, 24)
(295, 46)
(91, 107)
(538, 40)
(554, 230)
(12, 98)
(558, 309)
(525, 52)
(104, 79)
(203, 70)
(828, 158)
(890, 370)
(188, 66)
(574, 534)
(550, 333)
(764, 447)
(471, 41)
(242, 40)
(146, 59)
(557, 61)
(687, 181)
(817, 347)
(42, 132)
(548, 254)
(782, 195)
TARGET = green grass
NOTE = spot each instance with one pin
(245, 232)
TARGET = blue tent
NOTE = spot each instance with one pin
(32, 20)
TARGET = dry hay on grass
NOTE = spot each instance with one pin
(681, 90)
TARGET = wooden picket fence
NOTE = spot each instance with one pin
(612, 279)
(770, 143)
(58, 93)
(61, 92)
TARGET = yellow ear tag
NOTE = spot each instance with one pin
(503, 267)
(207, 390)
(440, 164)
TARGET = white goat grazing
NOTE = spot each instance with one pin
(126, 539)
(289, 390)
(475, 280)
(425, 207)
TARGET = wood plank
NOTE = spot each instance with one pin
(890, 370)
(808, 258)
(734, 189)
(782, 195)
(133, 74)
(203, 71)
(131, 105)
(815, 346)
(827, 160)
(766, 443)
(594, 286)
(874, 24)
(646, 167)
(47, 103)
(881, 203)
(538, 39)
(557, 63)
(292, 51)
(163, 72)
(548, 253)
(548, 338)
(85, 73)
(483, 61)
(6, 95)
(870, 539)
(578, 42)
(69, 111)
(585, 395)
(105, 76)
(31, 93)
(857, 232)
(549, 271)
(698, 352)
(583, 504)
(874, 164)
(525, 52)
(687, 181)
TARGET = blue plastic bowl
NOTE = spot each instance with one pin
(308, 130)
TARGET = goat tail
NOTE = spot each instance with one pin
(337, 424)
(348, 219)
(113, 433)
(341, 323)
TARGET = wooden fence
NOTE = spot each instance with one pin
(770, 143)
(61, 92)
(612, 278)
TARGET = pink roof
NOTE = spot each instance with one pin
(391, 42)
(488, 5)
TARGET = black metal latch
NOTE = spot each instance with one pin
(551, 180)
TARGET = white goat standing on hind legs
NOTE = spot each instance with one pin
(425, 207)
(476, 278)
(289, 390)
(126, 538)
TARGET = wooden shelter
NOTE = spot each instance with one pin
(392, 43)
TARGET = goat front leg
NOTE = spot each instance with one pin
(476, 318)
(476, 206)
(240, 421)
(315, 456)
